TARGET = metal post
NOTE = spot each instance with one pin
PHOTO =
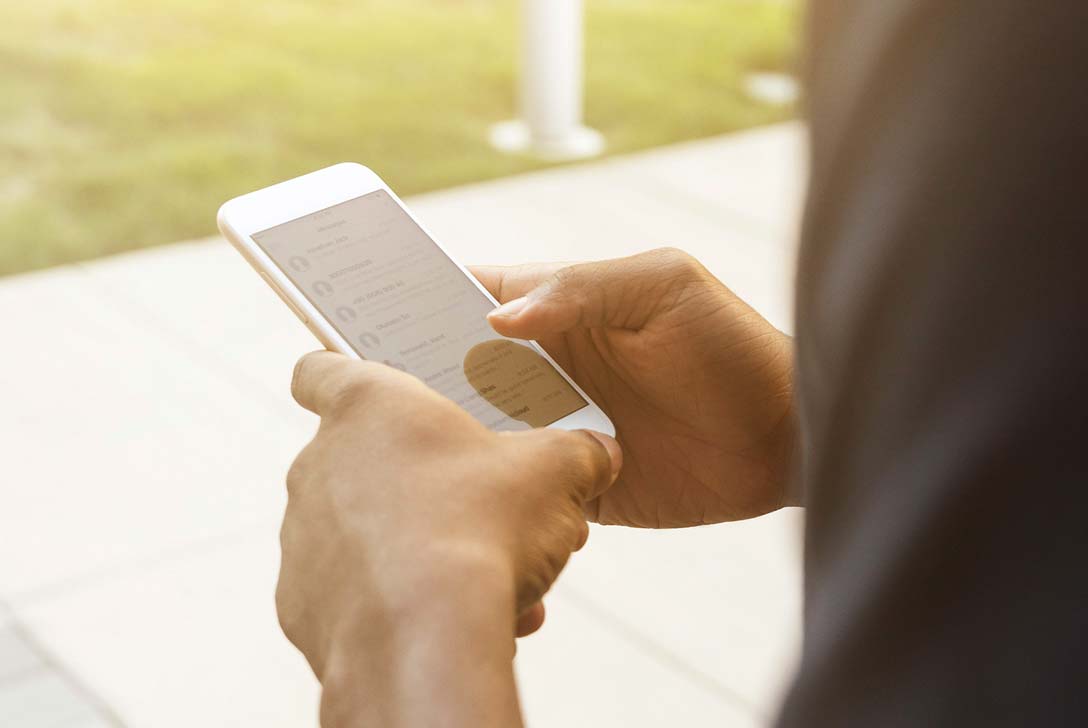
(551, 86)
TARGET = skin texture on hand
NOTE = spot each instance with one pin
(698, 385)
(416, 542)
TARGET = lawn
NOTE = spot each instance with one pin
(124, 123)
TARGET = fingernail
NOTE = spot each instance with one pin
(613, 448)
(510, 309)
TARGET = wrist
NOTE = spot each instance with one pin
(446, 626)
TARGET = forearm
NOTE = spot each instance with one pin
(444, 660)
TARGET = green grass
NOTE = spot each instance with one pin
(124, 123)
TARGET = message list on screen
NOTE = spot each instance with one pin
(397, 298)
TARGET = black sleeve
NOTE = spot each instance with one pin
(942, 358)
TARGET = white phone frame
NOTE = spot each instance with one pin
(242, 217)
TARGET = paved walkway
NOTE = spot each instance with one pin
(146, 428)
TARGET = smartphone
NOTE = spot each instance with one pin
(365, 276)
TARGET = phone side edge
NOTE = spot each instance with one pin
(272, 276)
(590, 417)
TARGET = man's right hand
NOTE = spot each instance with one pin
(698, 385)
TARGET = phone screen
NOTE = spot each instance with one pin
(395, 297)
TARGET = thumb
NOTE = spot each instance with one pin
(622, 293)
(615, 462)
(586, 463)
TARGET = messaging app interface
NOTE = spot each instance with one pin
(398, 299)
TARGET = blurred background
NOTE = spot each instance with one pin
(124, 122)
(146, 422)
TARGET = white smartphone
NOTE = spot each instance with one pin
(346, 256)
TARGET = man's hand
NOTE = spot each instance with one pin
(414, 538)
(697, 383)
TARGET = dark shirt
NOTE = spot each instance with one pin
(942, 344)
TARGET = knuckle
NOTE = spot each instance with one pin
(522, 271)
(298, 473)
(284, 612)
(579, 529)
(348, 395)
(298, 376)
(565, 277)
(533, 588)
(571, 282)
(546, 561)
(557, 559)
(678, 262)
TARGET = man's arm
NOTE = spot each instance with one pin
(411, 545)
(443, 658)
(942, 357)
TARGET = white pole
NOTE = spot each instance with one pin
(551, 85)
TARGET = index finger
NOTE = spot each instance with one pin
(321, 377)
(507, 282)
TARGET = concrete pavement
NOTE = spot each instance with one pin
(146, 427)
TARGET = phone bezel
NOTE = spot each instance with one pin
(242, 217)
